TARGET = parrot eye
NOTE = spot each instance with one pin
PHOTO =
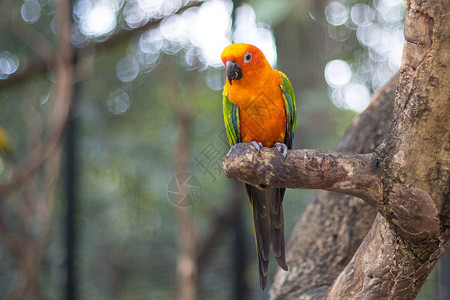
(247, 57)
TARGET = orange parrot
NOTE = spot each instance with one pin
(259, 108)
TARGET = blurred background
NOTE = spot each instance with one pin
(135, 204)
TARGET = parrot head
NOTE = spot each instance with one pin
(243, 62)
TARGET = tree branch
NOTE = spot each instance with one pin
(350, 174)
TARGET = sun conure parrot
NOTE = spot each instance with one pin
(259, 108)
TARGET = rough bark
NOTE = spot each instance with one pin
(401, 250)
(413, 164)
(355, 175)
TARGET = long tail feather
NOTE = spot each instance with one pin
(277, 229)
(261, 225)
(269, 227)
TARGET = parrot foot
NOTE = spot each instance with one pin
(258, 145)
(282, 148)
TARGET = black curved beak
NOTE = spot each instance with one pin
(234, 71)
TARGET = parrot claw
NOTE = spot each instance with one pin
(258, 145)
(282, 148)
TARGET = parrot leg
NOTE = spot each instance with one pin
(282, 148)
(258, 145)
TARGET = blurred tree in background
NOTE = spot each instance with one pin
(146, 78)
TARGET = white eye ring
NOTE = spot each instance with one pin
(247, 57)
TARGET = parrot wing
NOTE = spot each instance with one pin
(290, 107)
(231, 119)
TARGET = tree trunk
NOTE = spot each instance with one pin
(400, 251)
(406, 179)
(27, 196)
(187, 269)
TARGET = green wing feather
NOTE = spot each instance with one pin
(231, 119)
(290, 108)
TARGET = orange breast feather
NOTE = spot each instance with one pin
(261, 111)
